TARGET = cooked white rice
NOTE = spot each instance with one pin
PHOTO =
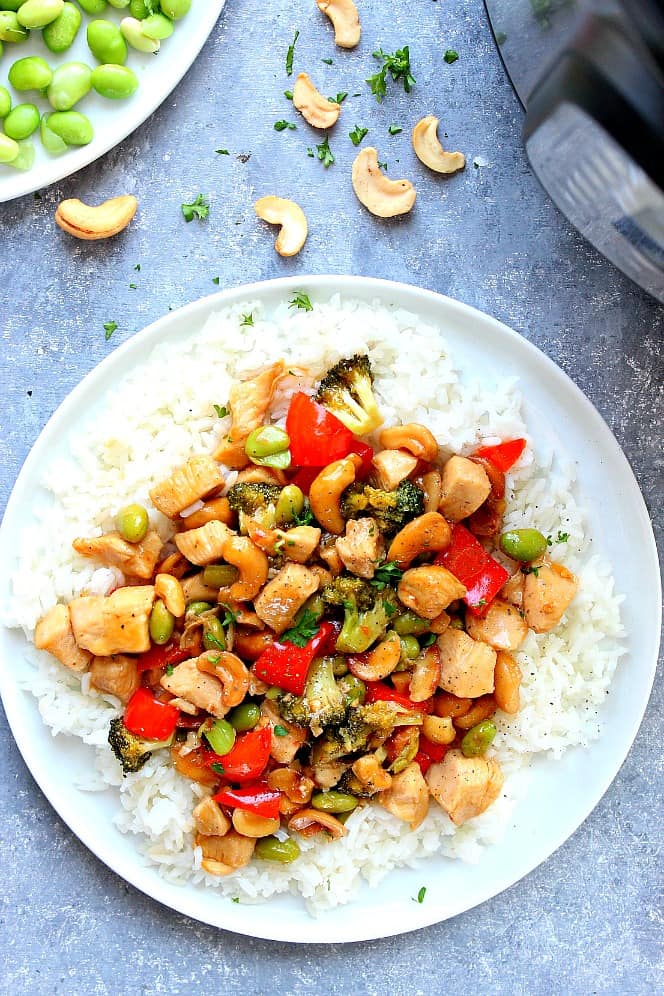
(161, 414)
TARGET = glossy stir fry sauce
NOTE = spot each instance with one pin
(336, 627)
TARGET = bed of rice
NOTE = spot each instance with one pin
(140, 433)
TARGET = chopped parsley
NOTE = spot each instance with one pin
(421, 894)
(394, 129)
(222, 152)
(387, 573)
(325, 153)
(217, 768)
(305, 517)
(390, 609)
(221, 410)
(562, 537)
(235, 899)
(311, 153)
(199, 208)
(215, 280)
(301, 301)
(382, 165)
(133, 286)
(328, 61)
(531, 570)
(340, 97)
(357, 134)
(283, 125)
(109, 329)
(280, 731)
(137, 267)
(427, 640)
(398, 65)
(247, 319)
(210, 638)
(450, 56)
(300, 634)
(169, 670)
(229, 616)
(290, 53)
(288, 94)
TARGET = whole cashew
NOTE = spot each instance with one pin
(170, 591)
(380, 662)
(230, 671)
(306, 818)
(381, 196)
(432, 485)
(427, 533)
(85, 222)
(316, 109)
(291, 217)
(326, 490)
(429, 150)
(426, 675)
(253, 825)
(412, 436)
(345, 20)
(250, 562)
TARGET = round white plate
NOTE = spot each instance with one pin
(562, 793)
(112, 120)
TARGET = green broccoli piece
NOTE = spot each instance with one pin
(255, 501)
(323, 702)
(131, 751)
(391, 509)
(346, 391)
(362, 722)
(366, 612)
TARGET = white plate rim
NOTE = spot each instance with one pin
(246, 919)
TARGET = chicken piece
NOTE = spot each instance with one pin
(117, 675)
(407, 797)
(281, 597)
(512, 590)
(134, 559)
(464, 786)
(362, 547)
(117, 624)
(284, 748)
(467, 666)
(547, 594)
(503, 627)
(249, 400)
(465, 487)
(230, 851)
(203, 545)
(190, 482)
(371, 774)
(210, 820)
(300, 542)
(54, 633)
(428, 590)
(202, 690)
(392, 467)
(330, 555)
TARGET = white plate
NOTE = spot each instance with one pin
(562, 793)
(112, 120)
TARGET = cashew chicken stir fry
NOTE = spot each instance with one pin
(333, 622)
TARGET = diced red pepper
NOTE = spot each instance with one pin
(468, 561)
(423, 761)
(304, 478)
(258, 798)
(378, 691)
(247, 759)
(316, 436)
(429, 753)
(365, 453)
(504, 455)
(485, 587)
(161, 657)
(146, 717)
(286, 666)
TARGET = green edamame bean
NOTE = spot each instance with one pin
(339, 666)
(114, 82)
(31, 73)
(220, 736)
(132, 32)
(334, 802)
(353, 689)
(244, 717)
(72, 127)
(410, 624)
(138, 9)
(5, 102)
(266, 441)
(175, 9)
(157, 26)
(71, 82)
(523, 544)
(119, 4)
(162, 623)
(290, 504)
(59, 35)
(93, 6)
(272, 849)
(25, 159)
(478, 739)
(220, 575)
(10, 4)
(2, 49)
(214, 637)
(9, 149)
(10, 29)
(51, 142)
(39, 13)
(106, 43)
(410, 648)
(22, 121)
(132, 522)
(199, 607)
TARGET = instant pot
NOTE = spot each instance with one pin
(590, 74)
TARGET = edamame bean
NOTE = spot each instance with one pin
(220, 575)
(106, 43)
(119, 4)
(138, 9)
(162, 623)
(244, 717)
(410, 648)
(199, 607)
(339, 666)
(132, 522)
(114, 82)
(10, 29)
(334, 802)
(290, 504)
(523, 544)
(26, 157)
(93, 6)
(410, 624)
(72, 127)
(5, 102)
(71, 82)
(214, 637)
(175, 9)
(9, 149)
(10, 4)
(39, 13)
(31, 73)
(272, 849)
(478, 739)
(51, 142)
(22, 121)
(266, 441)
(59, 35)
(132, 32)
(220, 736)
(157, 26)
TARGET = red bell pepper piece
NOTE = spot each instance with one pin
(247, 759)
(146, 716)
(378, 691)
(504, 455)
(468, 561)
(161, 657)
(365, 453)
(485, 587)
(304, 478)
(429, 753)
(316, 436)
(258, 798)
(286, 666)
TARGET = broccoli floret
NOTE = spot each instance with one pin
(391, 509)
(366, 612)
(346, 390)
(131, 751)
(362, 722)
(323, 702)
(256, 501)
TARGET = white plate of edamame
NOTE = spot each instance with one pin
(111, 120)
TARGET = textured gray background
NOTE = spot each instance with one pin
(590, 919)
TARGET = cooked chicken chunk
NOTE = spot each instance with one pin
(407, 797)
(54, 633)
(195, 590)
(195, 479)
(512, 590)
(249, 400)
(429, 589)
(300, 542)
(362, 547)
(371, 774)
(284, 748)
(134, 559)
(228, 852)
(200, 689)
(548, 592)
(392, 467)
(210, 820)
(117, 675)
(464, 786)
(465, 487)
(281, 597)
(117, 624)
(503, 626)
(203, 545)
(467, 666)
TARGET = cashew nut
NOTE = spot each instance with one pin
(412, 436)
(383, 197)
(291, 217)
(85, 222)
(432, 485)
(170, 591)
(438, 729)
(309, 821)
(253, 825)
(326, 490)
(429, 150)
(345, 20)
(230, 671)
(425, 534)
(316, 109)
(250, 562)
(426, 675)
(380, 662)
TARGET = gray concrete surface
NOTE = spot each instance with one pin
(590, 919)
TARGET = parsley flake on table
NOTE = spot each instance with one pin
(421, 894)
(221, 410)
(394, 129)
(283, 125)
(290, 53)
(222, 152)
(215, 280)
(247, 319)
(304, 631)
(450, 56)
(199, 208)
(301, 301)
(325, 153)
(288, 94)
(133, 286)
(138, 267)
(357, 134)
(328, 61)
(109, 329)
(340, 97)
(398, 66)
